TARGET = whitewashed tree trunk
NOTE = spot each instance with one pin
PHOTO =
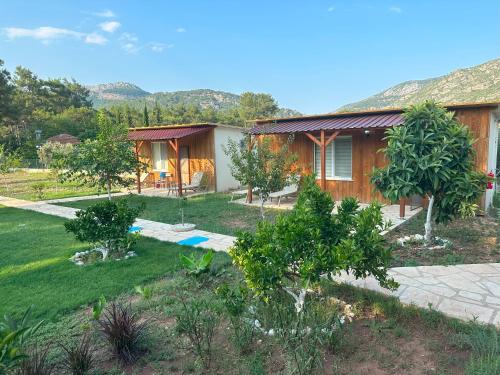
(428, 221)
(299, 299)
(262, 206)
(108, 188)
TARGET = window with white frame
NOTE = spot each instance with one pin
(159, 151)
(338, 159)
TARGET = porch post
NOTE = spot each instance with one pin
(138, 169)
(323, 160)
(402, 208)
(251, 142)
(178, 168)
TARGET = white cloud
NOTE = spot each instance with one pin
(110, 26)
(159, 47)
(44, 33)
(331, 9)
(180, 30)
(129, 43)
(104, 14)
(395, 9)
(95, 38)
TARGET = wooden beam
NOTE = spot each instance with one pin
(138, 169)
(313, 138)
(402, 208)
(332, 137)
(323, 160)
(173, 144)
(178, 167)
(251, 143)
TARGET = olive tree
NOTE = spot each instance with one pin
(105, 161)
(260, 167)
(431, 155)
(311, 242)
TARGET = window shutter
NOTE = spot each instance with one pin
(328, 161)
(343, 157)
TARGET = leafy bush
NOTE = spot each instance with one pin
(79, 358)
(36, 363)
(196, 266)
(310, 242)
(98, 307)
(105, 224)
(123, 330)
(146, 292)
(39, 190)
(13, 336)
(52, 154)
(198, 320)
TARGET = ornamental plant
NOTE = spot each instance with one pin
(431, 155)
(311, 242)
(105, 224)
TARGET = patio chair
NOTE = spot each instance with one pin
(162, 182)
(195, 185)
(287, 191)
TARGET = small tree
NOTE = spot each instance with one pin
(106, 161)
(260, 167)
(145, 116)
(8, 160)
(431, 155)
(311, 242)
(53, 154)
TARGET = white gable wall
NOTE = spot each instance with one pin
(224, 179)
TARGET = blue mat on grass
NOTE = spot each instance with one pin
(192, 241)
(134, 229)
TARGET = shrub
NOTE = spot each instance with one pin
(98, 307)
(79, 358)
(13, 336)
(123, 330)
(198, 320)
(197, 266)
(105, 224)
(52, 154)
(37, 363)
(39, 190)
(310, 242)
(146, 292)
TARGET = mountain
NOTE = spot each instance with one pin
(479, 83)
(108, 94)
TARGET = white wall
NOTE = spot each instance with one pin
(224, 180)
(492, 155)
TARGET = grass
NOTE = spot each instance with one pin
(22, 184)
(34, 266)
(473, 240)
(210, 212)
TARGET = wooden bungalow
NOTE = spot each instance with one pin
(342, 148)
(177, 152)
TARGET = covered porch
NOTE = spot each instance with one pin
(341, 150)
(175, 156)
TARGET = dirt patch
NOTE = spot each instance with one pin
(473, 240)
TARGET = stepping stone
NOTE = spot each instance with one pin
(193, 241)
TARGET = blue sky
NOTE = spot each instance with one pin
(313, 56)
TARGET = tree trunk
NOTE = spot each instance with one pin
(262, 207)
(298, 298)
(108, 188)
(428, 221)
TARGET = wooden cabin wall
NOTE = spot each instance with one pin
(365, 156)
(201, 157)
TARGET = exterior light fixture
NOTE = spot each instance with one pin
(367, 132)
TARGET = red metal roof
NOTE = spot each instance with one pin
(335, 122)
(165, 133)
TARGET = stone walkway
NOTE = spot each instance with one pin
(466, 291)
(470, 291)
(153, 229)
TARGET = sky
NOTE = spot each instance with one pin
(312, 56)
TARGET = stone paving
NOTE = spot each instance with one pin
(153, 229)
(466, 291)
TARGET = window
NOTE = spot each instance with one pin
(338, 159)
(159, 156)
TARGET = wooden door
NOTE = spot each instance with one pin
(185, 172)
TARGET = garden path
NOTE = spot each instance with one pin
(469, 291)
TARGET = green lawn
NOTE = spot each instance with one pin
(210, 212)
(34, 266)
(21, 185)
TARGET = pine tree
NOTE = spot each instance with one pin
(157, 115)
(128, 117)
(145, 117)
